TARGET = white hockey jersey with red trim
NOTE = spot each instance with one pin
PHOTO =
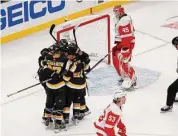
(110, 118)
(124, 29)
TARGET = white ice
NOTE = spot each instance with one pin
(21, 113)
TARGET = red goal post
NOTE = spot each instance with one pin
(93, 34)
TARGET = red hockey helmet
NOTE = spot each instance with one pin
(118, 10)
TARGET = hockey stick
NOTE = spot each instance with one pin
(28, 88)
(51, 32)
(74, 33)
(94, 67)
(98, 63)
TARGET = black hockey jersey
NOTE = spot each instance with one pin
(54, 70)
(74, 76)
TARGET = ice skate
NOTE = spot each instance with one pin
(81, 116)
(120, 81)
(166, 109)
(47, 121)
(54, 114)
(60, 127)
(66, 120)
(87, 111)
(129, 84)
(75, 120)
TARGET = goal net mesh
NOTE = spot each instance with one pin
(92, 34)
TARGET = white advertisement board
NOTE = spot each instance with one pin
(16, 16)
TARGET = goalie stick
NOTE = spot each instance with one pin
(98, 62)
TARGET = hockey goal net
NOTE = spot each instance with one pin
(92, 34)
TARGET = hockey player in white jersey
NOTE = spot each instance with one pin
(110, 123)
(124, 44)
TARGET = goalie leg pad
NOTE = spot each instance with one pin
(116, 62)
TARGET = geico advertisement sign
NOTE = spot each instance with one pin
(22, 12)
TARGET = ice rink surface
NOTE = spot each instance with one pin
(21, 114)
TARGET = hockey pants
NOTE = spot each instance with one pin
(171, 93)
(82, 101)
(73, 96)
(58, 97)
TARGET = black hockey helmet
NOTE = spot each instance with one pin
(45, 51)
(63, 42)
(57, 48)
(175, 41)
(72, 49)
(54, 48)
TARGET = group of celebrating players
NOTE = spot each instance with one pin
(62, 69)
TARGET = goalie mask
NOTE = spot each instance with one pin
(118, 10)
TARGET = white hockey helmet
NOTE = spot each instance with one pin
(118, 94)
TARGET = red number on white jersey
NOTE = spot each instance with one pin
(125, 29)
(112, 119)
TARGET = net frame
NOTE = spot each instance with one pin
(89, 21)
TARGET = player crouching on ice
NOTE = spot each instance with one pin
(122, 51)
(110, 120)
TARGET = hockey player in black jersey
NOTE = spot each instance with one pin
(46, 55)
(173, 88)
(84, 110)
(84, 57)
(75, 82)
(55, 88)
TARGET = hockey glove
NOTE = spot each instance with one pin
(122, 129)
(116, 42)
(84, 54)
(122, 132)
(44, 63)
(86, 61)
